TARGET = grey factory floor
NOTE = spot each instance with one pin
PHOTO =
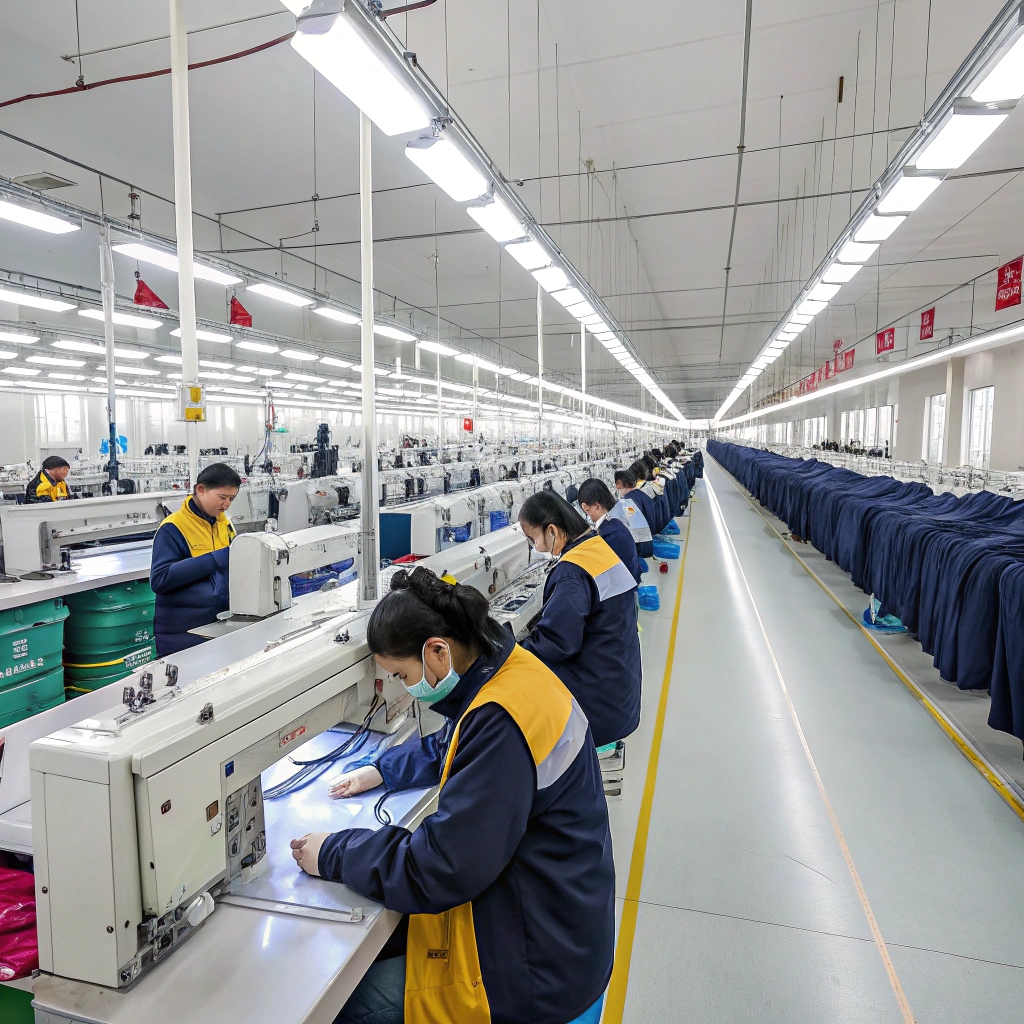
(804, 844)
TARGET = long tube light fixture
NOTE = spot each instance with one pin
(976, 101)
(31, 216)
(169, 261)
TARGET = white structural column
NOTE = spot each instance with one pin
(540, 363)
(183, 219)
(107, 293)
(583, 379)
(369, 509)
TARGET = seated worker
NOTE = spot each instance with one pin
(659, 513)
(587, 629)
(509, 885)
(625, 486)
(615, 521)
(49, 483)
(189, 572)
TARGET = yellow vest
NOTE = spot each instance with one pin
(443, 980)
(598, 561)
(47, 489)
(201, 536)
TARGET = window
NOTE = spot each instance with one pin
(935, 425)
(885, 427)
(59, 419)
(870, 428)
(980, 452)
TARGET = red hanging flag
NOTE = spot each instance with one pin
(145, 296)
(885, 341)
(837, 345)
(1008, 285)
(927, 323)
(240, 316)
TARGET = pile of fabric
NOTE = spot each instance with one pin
(951, 568)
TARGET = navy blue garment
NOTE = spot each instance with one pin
(593, 646)
(190, 590)
(535, 863)
(646, 506)
(617, 536)
(1007, 710)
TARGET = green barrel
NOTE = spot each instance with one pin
(22, 700)
(31, 639)
(109, 633)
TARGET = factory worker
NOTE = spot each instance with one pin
(189, 572)
(658, 512)
(49, 483)
(587, 630)
(620, 523)
(625, 487)
(509, 885)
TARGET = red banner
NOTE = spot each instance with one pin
(1008, 286)
(467, 424)
(885, 341)
(837, 345)
(847, 358)
(830, 369)
(927, 323)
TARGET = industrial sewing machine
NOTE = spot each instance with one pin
(52, 533)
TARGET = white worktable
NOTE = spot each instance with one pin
(93, 571)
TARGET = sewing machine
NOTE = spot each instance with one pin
(261, 564)
(36, 535)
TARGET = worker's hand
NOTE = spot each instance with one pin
(306, 851)
(352, 783)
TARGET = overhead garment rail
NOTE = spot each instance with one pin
(950, 567)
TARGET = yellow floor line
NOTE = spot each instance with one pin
(616, 998)
(883, 950)
(945, 724)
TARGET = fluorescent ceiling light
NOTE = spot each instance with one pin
(823, 292)
(53, 361)
(337, 314)
(1006, 80)
(581, 309)
(172, 360)
(240, 379)
(840, 273)
(66, 376)
(551, 279)
(305, 377)
(569, 297)
(8, 355)
(294, 353)
(441, 350)
(69, 345)
(446, 165)
(378, 372)
(598, 327)
(260, 371)
(908, 193)
(519, 375)
(211, 364)
(169, 261)
(393, 332)
(347, 60)
(123, 319)
(18, 339)
(210, 375)
(257, 346)
(204, 335)
(604, 336)
(34, 301)
(271, 291)
(856, 252)
(786, 336)
(497, 220)
(794, 327)
(877, 229)
(31, 217)
(139, 371)
(961, 135)
(811, 307)
(331, 361)
(21, 371)
(529, 255)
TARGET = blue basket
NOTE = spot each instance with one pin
(499, 520)
(671, 528)
(307, 583)
(650, 600)
(665, 549)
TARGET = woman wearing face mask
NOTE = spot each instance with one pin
(618, 522)
(510, 883)
(587, 631)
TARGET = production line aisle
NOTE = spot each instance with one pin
(737, 900)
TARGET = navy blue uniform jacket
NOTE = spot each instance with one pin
(653, 517)
(593, 646)
(190, 591)
(536, 864)
(617, 536)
